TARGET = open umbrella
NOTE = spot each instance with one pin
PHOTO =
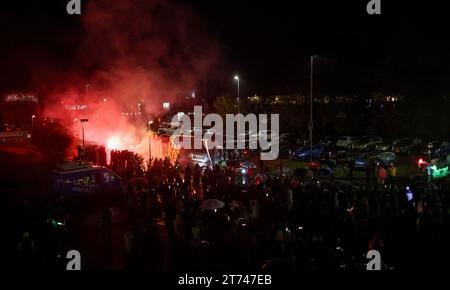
(212, 204)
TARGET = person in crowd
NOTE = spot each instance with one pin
(392, 172)
(178, 226)
(381, 174)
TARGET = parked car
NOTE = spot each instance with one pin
(407, 146)
(286, 149)
(386, 145)
(342, 156)
(346, 142)
(266, 134)
(291, 138)
(269, 135)
(328, 141)
(384, 157)
(366, 143)
(303, 153)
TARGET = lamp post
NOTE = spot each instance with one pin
(87, 89)
(310, 124)
(149, 141)
(32, 123)
(74, 127)
(236, 77)
(82, 132)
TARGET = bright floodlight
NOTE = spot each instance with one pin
(236, 77)
(34, 116)
(113, 143)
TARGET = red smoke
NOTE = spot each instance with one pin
(132, 51)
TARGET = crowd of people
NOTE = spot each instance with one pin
(299, 221)
(270, 220)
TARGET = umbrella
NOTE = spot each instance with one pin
(212, 204)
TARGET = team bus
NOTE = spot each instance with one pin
(80, 180)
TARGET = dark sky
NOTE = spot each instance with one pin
(404, 50)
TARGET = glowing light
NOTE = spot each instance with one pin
(421, 162)
(113, 143)
(439, 172)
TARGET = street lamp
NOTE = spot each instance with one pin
(236, 77)
(32, 123)
(74, 127)
(82, 131)
(149, 140)
(310, 124)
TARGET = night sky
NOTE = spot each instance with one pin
(405, 50)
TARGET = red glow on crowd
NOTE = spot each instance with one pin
(422, 162)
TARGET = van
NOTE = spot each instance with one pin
(86, 180)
